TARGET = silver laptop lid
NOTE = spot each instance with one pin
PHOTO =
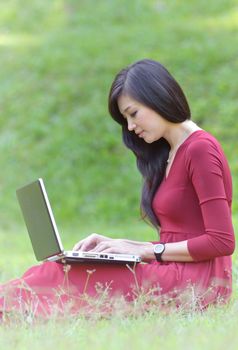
(39, 220)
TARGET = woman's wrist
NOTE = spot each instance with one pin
(148, 252)
(176, 251)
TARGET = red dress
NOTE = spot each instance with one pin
(193, 203)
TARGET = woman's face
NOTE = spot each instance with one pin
(144, 121)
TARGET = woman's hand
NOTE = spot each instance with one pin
(90, 242)
(124, 246)
(102, 244)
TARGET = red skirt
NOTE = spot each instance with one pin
(51, 287)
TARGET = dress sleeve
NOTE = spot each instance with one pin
(209, 173)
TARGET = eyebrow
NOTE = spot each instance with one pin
(126, 109)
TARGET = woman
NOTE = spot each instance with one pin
(186, 195)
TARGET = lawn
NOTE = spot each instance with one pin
(212, 329)
(58, 59)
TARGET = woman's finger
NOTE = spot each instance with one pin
(79, 245)
(88, 245)
(91, 242)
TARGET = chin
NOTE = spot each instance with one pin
(152, 139)
(149, 140)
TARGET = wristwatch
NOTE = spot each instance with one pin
(158, 250)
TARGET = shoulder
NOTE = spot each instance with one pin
(203, 145)
(206, 163)
(203, 151)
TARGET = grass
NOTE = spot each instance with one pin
(58, 59)
(176, 331)
(213, 329)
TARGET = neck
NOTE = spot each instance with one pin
(178, 133)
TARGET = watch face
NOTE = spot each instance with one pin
(158, 248)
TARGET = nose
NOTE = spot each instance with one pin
(130, 124)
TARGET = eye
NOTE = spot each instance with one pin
(133, 114)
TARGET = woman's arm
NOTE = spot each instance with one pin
(210, 176)
(205, 168)
(98, 243)
(177, 251)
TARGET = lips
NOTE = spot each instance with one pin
(140, 134)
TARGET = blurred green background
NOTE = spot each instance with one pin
(58, 59)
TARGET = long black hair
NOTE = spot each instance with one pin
(149, 83)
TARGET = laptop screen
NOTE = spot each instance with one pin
(39, 220)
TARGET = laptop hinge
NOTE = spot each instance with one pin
(56, 257)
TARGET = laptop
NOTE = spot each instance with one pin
(44, 235)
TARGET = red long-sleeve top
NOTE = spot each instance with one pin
(194, 202)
